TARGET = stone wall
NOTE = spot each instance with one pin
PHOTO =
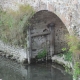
(12, 52)
(66, 10)
(39, 25)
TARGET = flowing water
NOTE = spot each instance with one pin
(10, 70)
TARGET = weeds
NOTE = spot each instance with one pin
(13, 24)
(42, 54)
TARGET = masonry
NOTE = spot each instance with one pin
(67, 11)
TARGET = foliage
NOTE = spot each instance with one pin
(76, 70)
(42, 54)
(13, 24)
(74, 46)
(63, 49)
(73, 43)
(67, 54)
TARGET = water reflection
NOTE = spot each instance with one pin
(10, 70)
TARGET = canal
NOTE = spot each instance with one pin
(10, 70)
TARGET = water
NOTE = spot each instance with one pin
(10, 70)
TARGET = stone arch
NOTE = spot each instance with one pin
(39, 24)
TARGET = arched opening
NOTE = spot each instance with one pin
(48, 32)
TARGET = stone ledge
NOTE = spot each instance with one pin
(12, 52)
(60, 60)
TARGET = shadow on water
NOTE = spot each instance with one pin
(10, 70)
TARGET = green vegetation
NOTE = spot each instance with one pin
(73, 43)
(42, 54)
(67, 54)
(76, 70)
(73, 52)
(13, 25)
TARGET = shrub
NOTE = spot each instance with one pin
(73, 43)
(13, 25)
(67, 54)
(74, 49)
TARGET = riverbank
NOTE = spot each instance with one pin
(67, 65)
(60, 60)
